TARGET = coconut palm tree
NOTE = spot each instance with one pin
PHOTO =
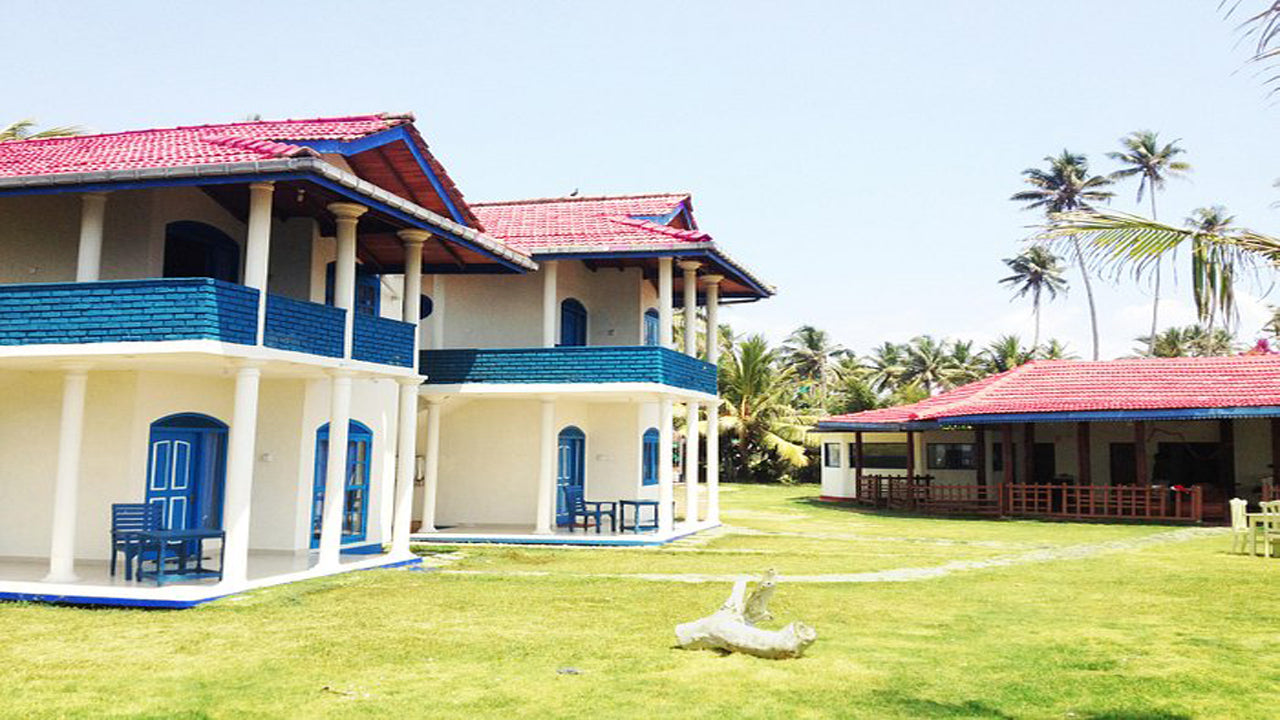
(1036, 271)
(927, 363)
(1064, 187)
(1006, 353)
(25, 130)
(1191, 341)
(1145, 158)
(1123, 241)
(1055, 349)
(887, 363)
(756, 410)
(852, 390)
(966, 364)
(812, 355)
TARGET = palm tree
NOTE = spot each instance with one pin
(1263, 28)
(927, 363)
(756, 409)
(1055, 349)
(1191, 341)
(852, 390)
(1067, 186)
(810, 353)
(1006, 353)
(887, 363)
(1124, 241)
(1145, 158)
(966, 365)
(24, 130)
(1035, 271)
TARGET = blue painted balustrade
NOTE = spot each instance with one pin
(304, 326)
(383, 341)
(128, 311)
(569, 365)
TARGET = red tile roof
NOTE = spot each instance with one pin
(1052, 386)
(600, 224)
(181, 146)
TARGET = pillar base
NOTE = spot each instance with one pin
(61, 577)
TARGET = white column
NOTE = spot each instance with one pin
(544, 522)
(92, 216)
(344, 277)
(691, 462)
(437, 312)
(666, 493)
(665, 300)
(62, 551)
(713, 409)
(406, 464)
(713, 319)
(431, 469)
(690, 269)
(258, 246)
(550, 309)
(238, 492)
(335, 480)
(713, 462)
(411, 303)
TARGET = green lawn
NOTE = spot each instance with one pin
(1168, 631)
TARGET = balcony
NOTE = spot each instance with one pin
(622, 364)
(162, 309)
(128, 311)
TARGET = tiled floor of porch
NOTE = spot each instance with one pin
(21, 579)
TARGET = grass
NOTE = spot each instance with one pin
(1170, 631)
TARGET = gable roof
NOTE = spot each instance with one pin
(382, 163)
(1115, 389)
(614, 226)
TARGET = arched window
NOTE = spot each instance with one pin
(355, 501)
(368, 289)
(194, 249)
(573, 324)
(649, 455)
(651, 328)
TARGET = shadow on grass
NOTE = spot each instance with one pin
(924, 708)
(1136, 715)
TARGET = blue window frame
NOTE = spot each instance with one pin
(368, 290)
(573, 324)
(649, 452)
(651, 331)
(355, 504)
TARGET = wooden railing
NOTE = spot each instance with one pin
(1077, 502)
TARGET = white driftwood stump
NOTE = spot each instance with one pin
(732, 627)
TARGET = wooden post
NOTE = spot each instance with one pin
(1140, 454)
(1275, 450)
(1227, 456)
(1006, 452)
(1084, 457)
(1028, 453)
(980, 455)
(911, 454)
(857, 458)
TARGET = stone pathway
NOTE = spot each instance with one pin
(909, 574)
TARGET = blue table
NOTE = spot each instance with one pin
(181, 542)
(636, 524)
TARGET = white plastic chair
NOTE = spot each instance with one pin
(1239, 525)
(1270, 526)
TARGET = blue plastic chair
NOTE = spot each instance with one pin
(127, 521)
(589, 510)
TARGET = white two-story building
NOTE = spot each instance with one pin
(202, 319)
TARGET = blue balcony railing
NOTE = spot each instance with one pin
(383, 341)
(128, 311)
(569, 365)
(304, 326)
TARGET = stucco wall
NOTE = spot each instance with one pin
(120, 408)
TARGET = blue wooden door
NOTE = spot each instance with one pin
(355, 500)
(174, 476)
(571, 468)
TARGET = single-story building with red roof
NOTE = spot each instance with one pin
(1149, 438)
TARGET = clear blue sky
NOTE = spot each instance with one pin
(859, 155)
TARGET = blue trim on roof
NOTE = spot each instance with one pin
(386, 137)
(1116, 415)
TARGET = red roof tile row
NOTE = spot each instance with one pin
(1050, 386)
(604, 224)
